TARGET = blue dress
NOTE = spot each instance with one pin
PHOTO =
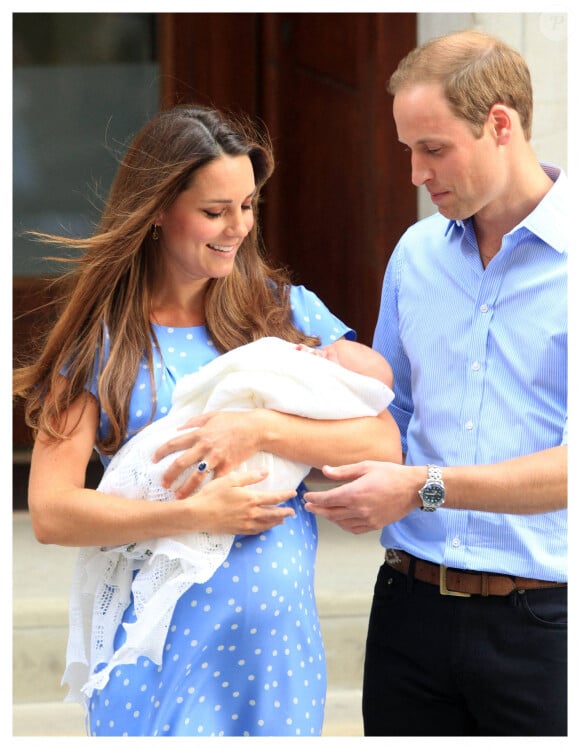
(244, 654)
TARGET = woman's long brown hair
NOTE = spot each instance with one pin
(107, 292)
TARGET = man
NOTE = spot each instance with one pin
(467, 634)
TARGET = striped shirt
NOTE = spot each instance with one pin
(480, 364)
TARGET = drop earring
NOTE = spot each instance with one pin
(154, 232)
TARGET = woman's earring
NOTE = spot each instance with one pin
(154, 232)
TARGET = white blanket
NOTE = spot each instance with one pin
(269, 373)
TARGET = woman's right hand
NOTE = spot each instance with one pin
(233, 504)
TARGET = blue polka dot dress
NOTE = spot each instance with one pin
(244, 654)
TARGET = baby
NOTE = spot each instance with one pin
(343, 380)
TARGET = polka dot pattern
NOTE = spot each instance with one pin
(244, 654)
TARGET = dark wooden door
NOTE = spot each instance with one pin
(341, 194)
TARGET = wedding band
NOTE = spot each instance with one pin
(202, 466)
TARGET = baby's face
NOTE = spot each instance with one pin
(326, 353)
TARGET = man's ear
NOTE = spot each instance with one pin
(500, 119)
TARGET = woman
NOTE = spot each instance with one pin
(172, 278)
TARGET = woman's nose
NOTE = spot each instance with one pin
(240, 223)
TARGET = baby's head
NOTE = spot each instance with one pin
(357, 357)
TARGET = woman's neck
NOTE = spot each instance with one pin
(178, 309)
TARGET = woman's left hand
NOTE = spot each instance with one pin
(222, 439)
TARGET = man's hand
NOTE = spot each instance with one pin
(374, 495)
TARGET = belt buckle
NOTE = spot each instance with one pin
(443, 590)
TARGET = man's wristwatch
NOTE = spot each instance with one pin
(433, 493)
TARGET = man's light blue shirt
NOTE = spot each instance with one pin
(480, 364)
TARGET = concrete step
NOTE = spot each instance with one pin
(47, 719)
(346, 569)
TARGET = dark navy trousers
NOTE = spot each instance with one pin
(481, 666)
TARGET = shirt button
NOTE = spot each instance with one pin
(484, 308)
(456, 542)
(469, 424)
(476, 366)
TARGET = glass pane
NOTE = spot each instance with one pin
(84, 83)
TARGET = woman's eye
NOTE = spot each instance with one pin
(247, 207)
(212, 214)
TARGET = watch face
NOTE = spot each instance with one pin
(433, 494)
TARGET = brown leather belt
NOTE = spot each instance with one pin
(454, 582)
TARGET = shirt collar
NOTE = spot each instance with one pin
(549, 219)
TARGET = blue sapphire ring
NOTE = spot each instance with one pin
(202, 466)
